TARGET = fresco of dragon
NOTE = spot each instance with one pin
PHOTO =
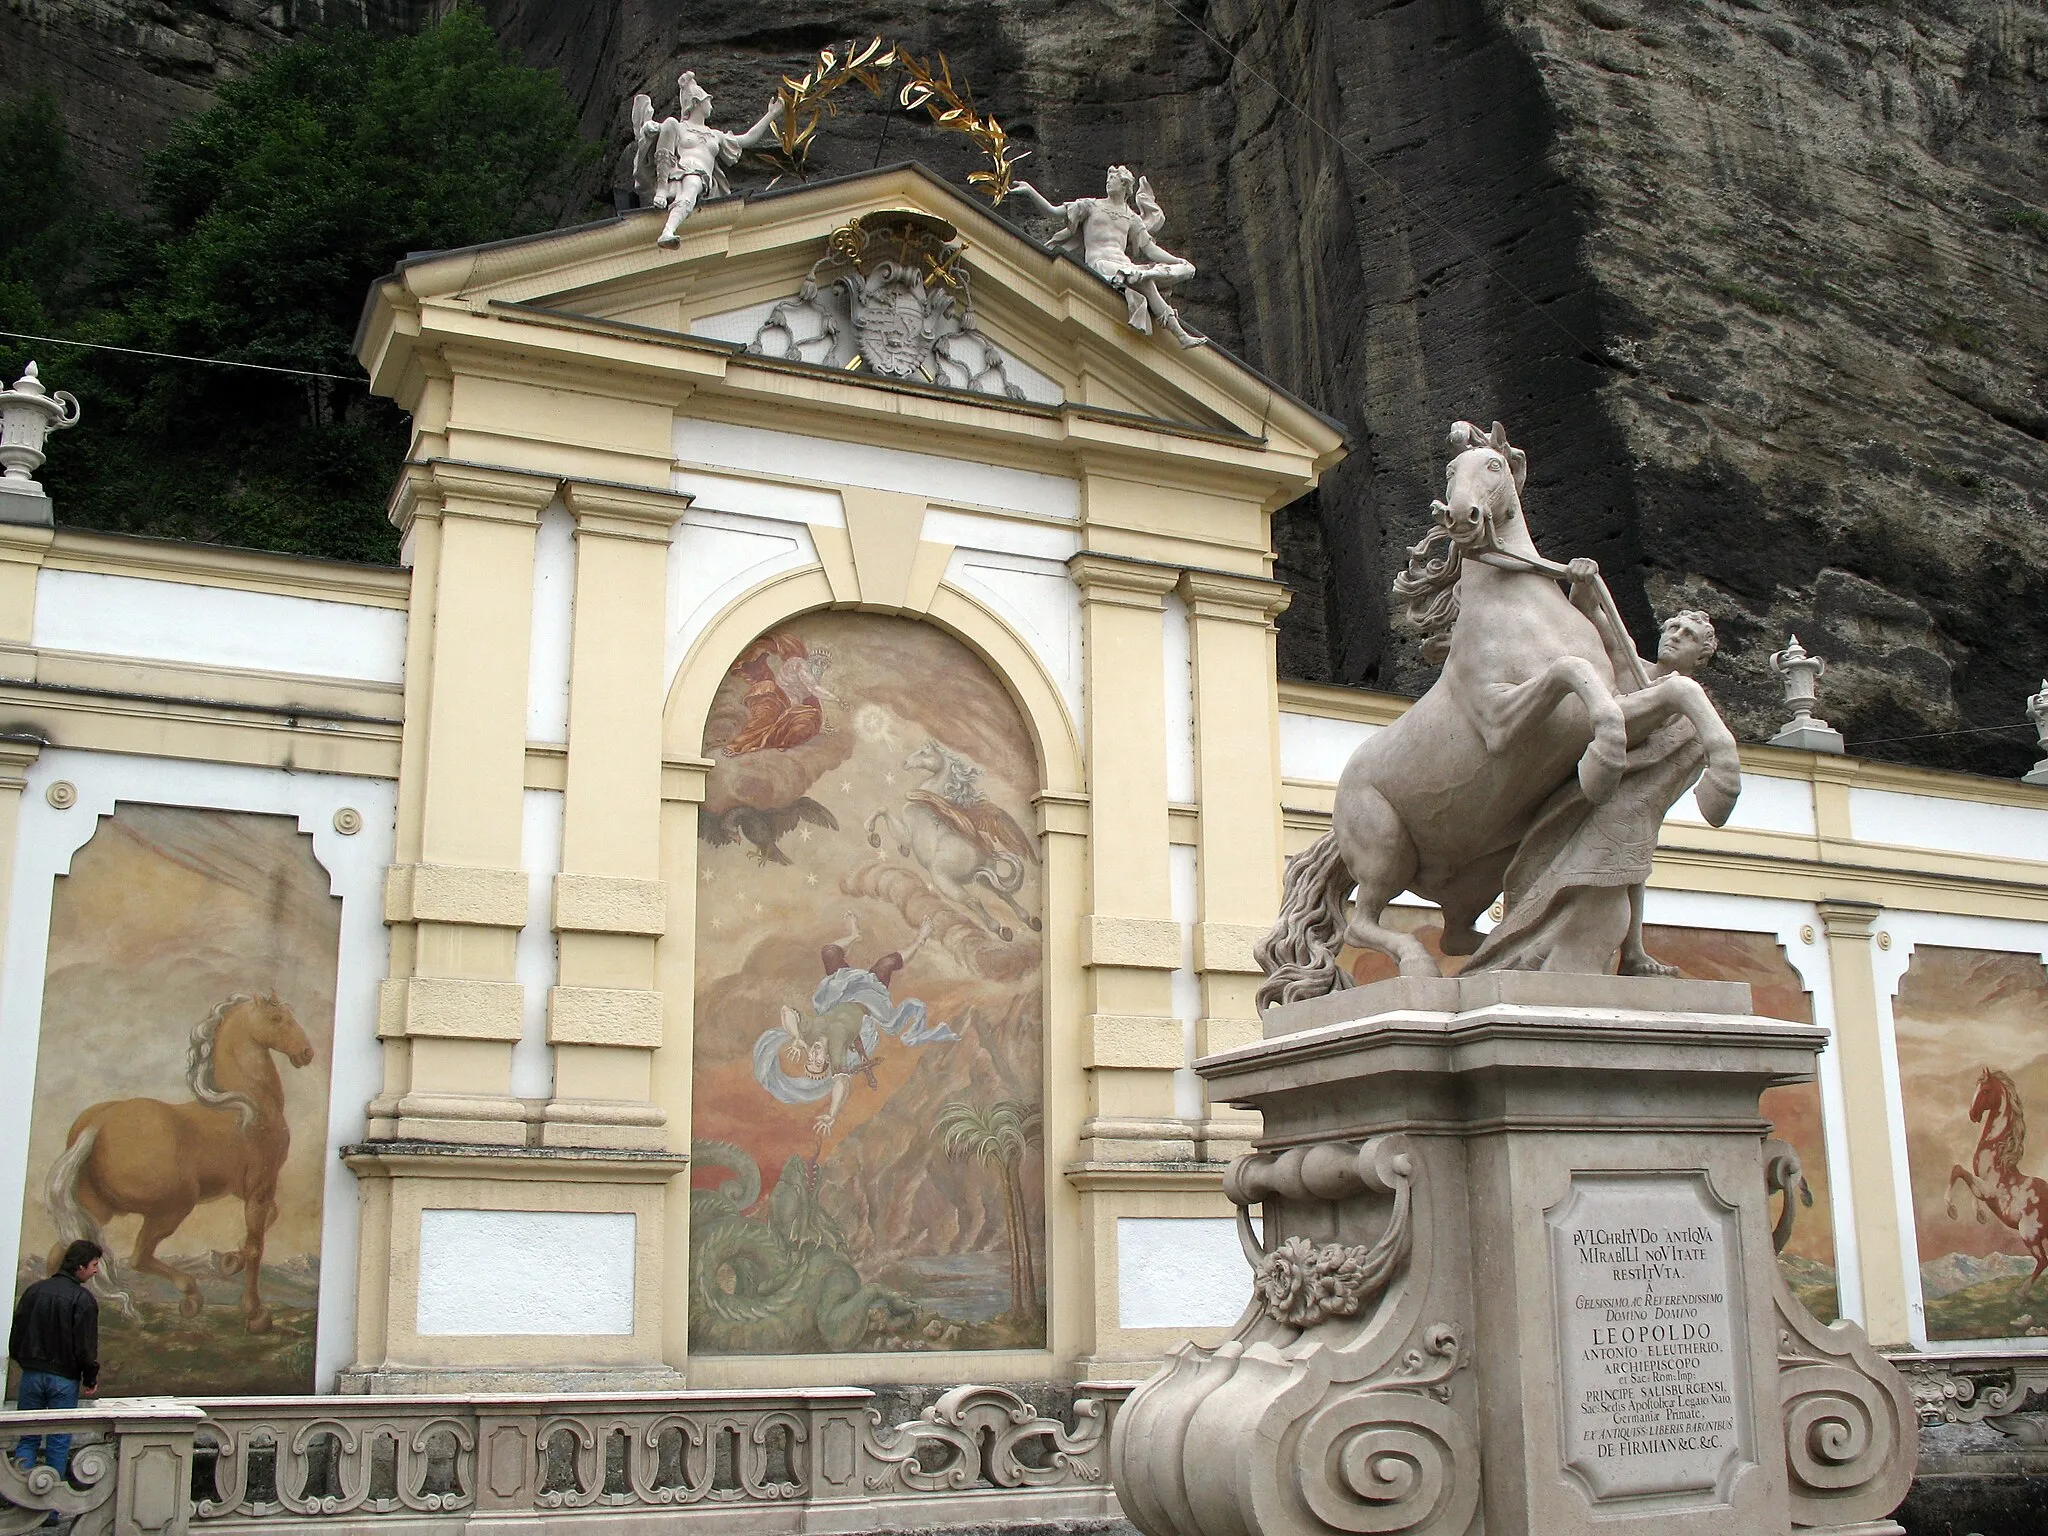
(781, 1281)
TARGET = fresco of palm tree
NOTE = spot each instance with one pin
(999, 1136)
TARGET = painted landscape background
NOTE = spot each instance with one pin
(168, 913)
(1958, 1014)
(868, 1174)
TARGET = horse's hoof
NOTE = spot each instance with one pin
(1004, 934)
(1716, 798)
(259, 1320)
(1598, 774)
(1036, 925)
(874, 841)
(191, 1305)
(903, 850)
(1951, 1213)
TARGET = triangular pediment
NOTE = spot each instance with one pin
(757, 276)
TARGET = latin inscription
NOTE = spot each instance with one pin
(1652, 1349)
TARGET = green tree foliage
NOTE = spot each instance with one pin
(271, 214)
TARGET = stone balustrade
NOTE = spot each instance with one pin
(812, 1459)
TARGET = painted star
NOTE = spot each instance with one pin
(846, 786)
(811, 879)
(717, 923)
(888, 778)
(803, 833)
(707, 874)
(759, 909)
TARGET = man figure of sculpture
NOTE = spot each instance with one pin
(1114, 240)
(678, 162)
(1684, 645)
(56, 1342)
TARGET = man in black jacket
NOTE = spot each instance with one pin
(56, 1342)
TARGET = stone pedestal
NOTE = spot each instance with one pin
(1515, 1275)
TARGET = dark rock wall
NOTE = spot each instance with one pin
(1759, 286)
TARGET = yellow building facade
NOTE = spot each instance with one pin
(738, 908)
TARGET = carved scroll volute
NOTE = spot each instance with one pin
(1852, 1437)
(1311, 1421)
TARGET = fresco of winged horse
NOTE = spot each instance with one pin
(159, 1161)
(1542, 700)
(1994, 1175)
(965, 843)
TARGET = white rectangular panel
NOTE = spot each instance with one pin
(1180, 1272)
(525, 1272)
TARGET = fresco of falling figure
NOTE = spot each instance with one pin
(866, 1137)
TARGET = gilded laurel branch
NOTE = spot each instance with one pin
(952, 108)
(808, 99)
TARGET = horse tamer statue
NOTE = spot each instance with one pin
(1539, 765)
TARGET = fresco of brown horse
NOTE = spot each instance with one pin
(159, 1161)
(1994, 1177)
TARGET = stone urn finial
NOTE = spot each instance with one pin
(1801, 671)
(2037, 711)
(29, 413)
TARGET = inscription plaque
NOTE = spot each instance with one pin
(1653, 1354)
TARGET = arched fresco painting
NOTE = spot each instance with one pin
(866, 1130)
(1715, 954)
(181, 1095)
(1972, 1031)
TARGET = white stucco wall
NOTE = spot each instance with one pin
(217, 626)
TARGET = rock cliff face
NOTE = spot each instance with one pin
(1759, 286)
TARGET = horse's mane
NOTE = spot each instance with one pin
(1428, 590)
(960, 781)
(2012, 1146)
(199, 1072)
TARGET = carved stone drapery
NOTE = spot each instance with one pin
(890, 296)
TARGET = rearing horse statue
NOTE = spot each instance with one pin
(1538, 690)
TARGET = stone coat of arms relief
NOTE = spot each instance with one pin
(890, 296)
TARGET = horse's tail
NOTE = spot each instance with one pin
(73, 1221)
(1002, 872)
(1299, 952)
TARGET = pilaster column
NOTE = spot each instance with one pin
(1872, 1173)
(1239, 853)
(610, 907)
(23, 549)
(456, 897)
(18, 754)
(1130, 942)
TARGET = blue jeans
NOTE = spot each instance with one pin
(40, 1390)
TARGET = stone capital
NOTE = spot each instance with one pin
(1123, 582)
(1233, 599)
(606, 510)
(1062, 813)
(1855, 920)
(453, 488)
(18, 753)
